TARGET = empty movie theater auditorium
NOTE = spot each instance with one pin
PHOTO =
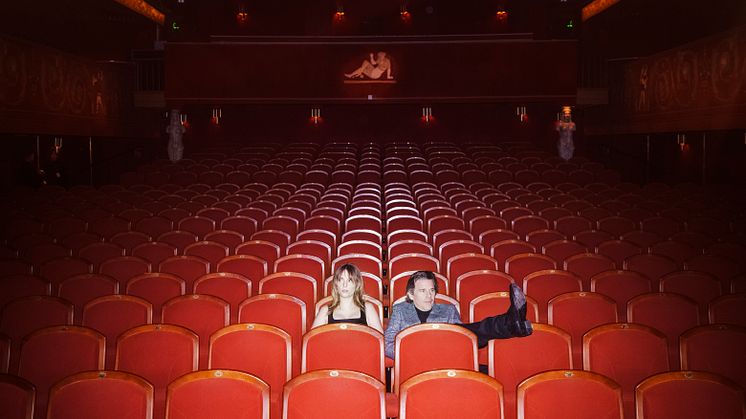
(373, 209)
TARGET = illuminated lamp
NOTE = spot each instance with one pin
(427, 114)
(681, 141)
(404, 14)
(521, 112)
(570, 24)
(242, 17)
(217, 113)
(339, 15)
(184, 120)
(57, 144)
(501, 15)
(316, 116)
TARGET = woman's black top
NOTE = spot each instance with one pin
(359, 320)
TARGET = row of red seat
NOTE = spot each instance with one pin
(625, 355)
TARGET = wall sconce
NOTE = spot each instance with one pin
(521, 112)
(241, 16)
(57, 144)
(217, 113)
(404, 14)
(339, 15)
(184, 120)
(501, 15)
(316, 115)
(427, 114)
(681, 141)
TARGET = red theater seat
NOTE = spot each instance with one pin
(579, 312)
(716, 348)
(458, 349)
(17, 397)
(669, 313)
(344, 346)
(96, 394)
(450, 394)
(283, 311)
(688, 394)
(315, 395)
(513, 360)
(159, 353)
(217, 393)
(156, 288)
(569, 394)
(202, 314)
(113, 314)
(261, 350)
(51, 354)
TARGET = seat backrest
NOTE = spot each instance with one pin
(472, 284)
(413, 348)
(344, 346)
(292, 283)
(728, 309)
(716, 348)
(586, 265)
(669, 313)
(699, 286)
(451, 394)
(157, 352)
(412, 262)
(283, 311)
(627, 353)
(468, 262)
(544, 285)
(80, 289)
(620, 286)
(188, 268)
(17, 397)
(694, 394)
(113, 314)
(22, 285)
(202, 314)
(579, 312)
(91, 394)
(156, 288)
(571, 394)
(513, 360)
(16, 322)
(231, 287)
(259, 349)
(124, 267)
(217, 393)
(523, 264)
(51, 354)
(316, 395)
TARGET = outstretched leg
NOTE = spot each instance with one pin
(510, 324)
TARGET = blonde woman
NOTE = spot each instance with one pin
(348, 304)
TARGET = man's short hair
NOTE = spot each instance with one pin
(416, 277)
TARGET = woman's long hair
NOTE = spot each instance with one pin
(356, 277)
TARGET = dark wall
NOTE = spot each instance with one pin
(475, 69)
(453, 122)
(46, 91)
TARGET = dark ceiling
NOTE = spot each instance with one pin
(106, 30)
